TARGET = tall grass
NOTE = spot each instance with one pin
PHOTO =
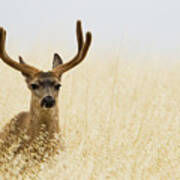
(118, 121)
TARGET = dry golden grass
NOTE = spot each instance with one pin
(118, 120)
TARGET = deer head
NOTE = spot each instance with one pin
(45, 85)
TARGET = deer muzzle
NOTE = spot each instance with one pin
(48, 102)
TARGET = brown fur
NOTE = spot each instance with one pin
(31, 122)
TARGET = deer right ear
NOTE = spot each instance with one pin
(23, 62)
(57, 60)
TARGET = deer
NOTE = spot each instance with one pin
(44, 88)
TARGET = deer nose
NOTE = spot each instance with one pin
(48, 102)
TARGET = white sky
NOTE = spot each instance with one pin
(137, 28)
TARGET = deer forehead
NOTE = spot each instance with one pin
(45, 77)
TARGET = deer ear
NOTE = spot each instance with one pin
(57, 60)
(23, 62)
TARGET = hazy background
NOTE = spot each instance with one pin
(120, 120)
(133, 30)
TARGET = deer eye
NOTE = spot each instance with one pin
(34, 86)
(57, 86)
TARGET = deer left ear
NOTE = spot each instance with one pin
(57, 60)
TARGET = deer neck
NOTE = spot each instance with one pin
(43, 117)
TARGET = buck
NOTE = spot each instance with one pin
(44, 87)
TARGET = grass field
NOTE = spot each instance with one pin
(119, 120)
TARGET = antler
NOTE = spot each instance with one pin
(24, 68)
(82, 51)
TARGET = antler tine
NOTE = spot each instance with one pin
(79, 35)
(24, 68)
(82, 51)
(2, 40)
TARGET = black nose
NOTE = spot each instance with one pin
(48, 102)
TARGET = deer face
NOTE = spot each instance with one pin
(45, 88)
